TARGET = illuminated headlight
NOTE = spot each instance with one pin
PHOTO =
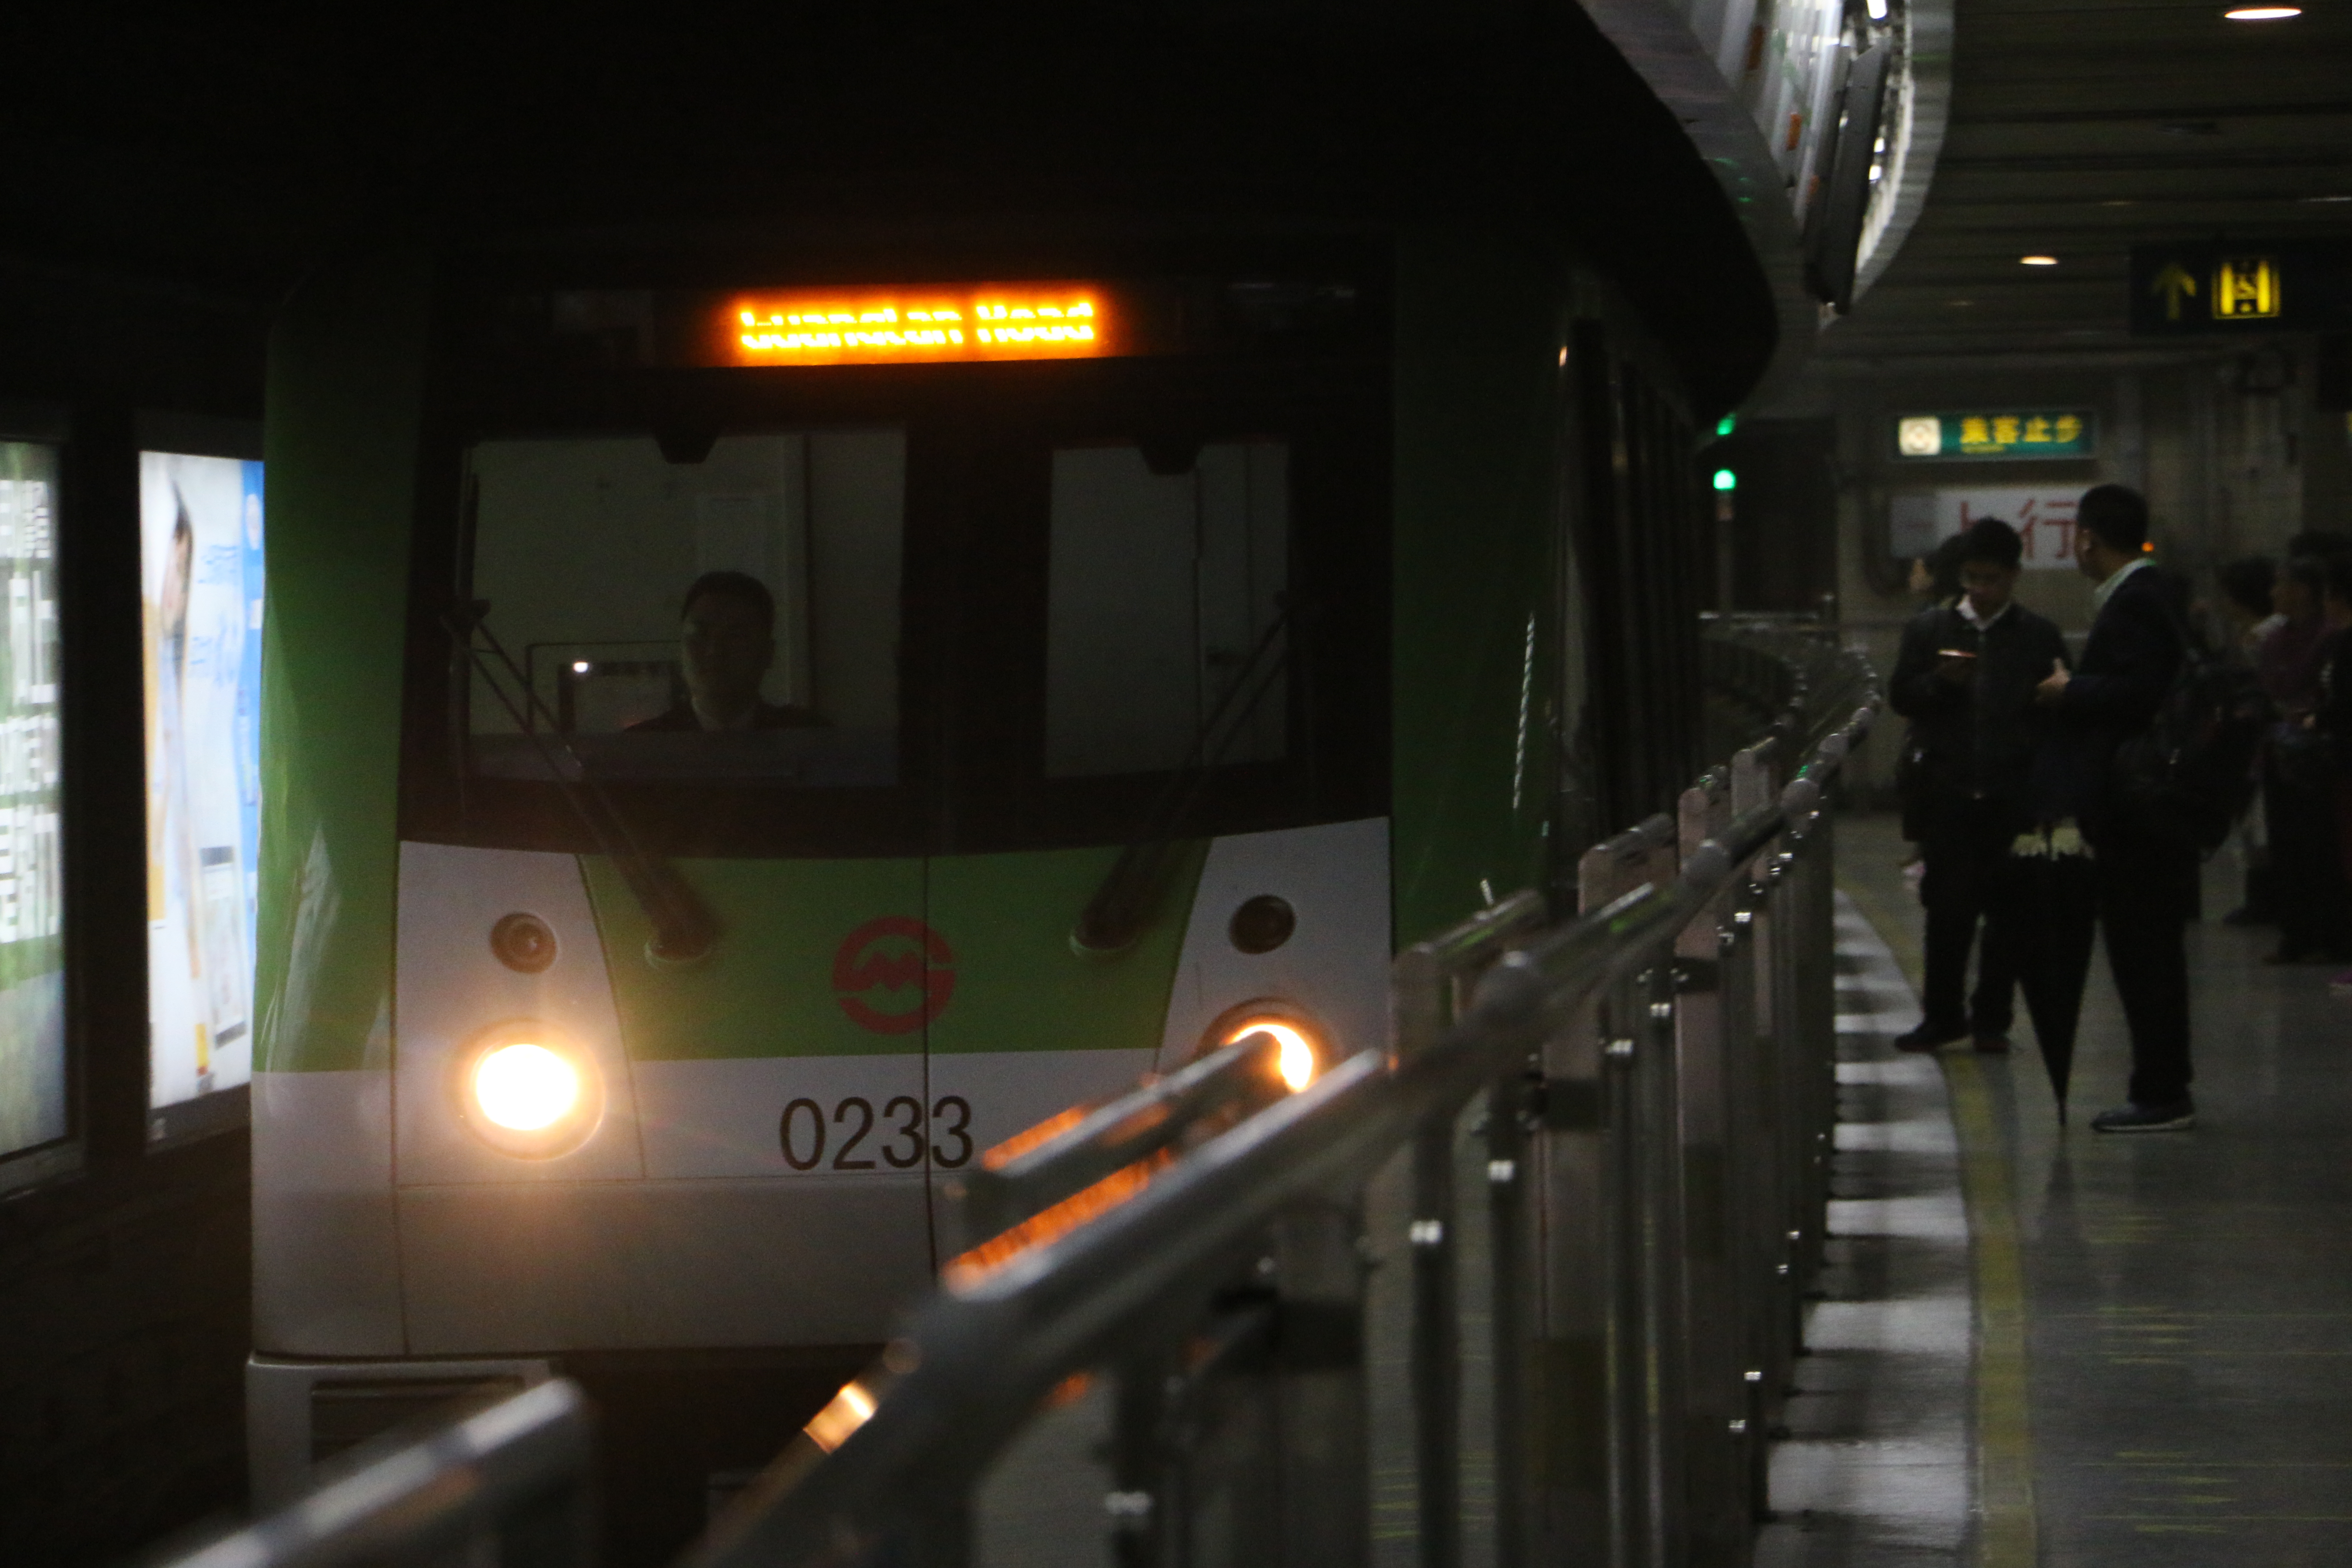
(1300, 1049)
(527, 1090)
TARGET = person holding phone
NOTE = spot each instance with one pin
(1966, 679)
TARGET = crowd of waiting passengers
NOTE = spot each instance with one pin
(2028, 769)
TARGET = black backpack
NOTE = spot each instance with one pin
(2190, 776)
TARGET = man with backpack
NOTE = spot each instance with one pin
(2145, 865)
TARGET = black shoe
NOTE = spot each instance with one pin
(2178, 1116)
(2250, 915)
(1929, 1036)
(2286, 955)
(1993, 1044)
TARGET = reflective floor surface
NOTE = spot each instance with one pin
(1875, 1468)
(2187, 1297)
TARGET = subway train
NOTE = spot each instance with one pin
(756, 714)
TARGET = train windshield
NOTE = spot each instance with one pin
(1164, 644)
(734, 619)
(866, 610)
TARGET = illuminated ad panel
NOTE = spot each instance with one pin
(200, 561)
(31, 949)
(923, 322)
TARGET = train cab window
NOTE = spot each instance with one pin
(734, 619)
(1164, 639)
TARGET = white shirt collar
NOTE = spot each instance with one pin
(2106, 590)
(1967, 609)
(742, 721)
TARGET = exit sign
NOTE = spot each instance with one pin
(1996, 433)
(2235, 285)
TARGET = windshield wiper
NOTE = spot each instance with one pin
(684, 930)
(1131, 894)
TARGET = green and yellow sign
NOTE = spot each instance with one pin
(1996, 433)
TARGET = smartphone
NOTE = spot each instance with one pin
(1954, 653)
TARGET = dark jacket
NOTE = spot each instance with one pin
(2127, 667)
(2332, 710)
(680, 716)
(1977, 741)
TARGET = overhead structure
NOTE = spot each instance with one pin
(2086, 142)
(1822, 119)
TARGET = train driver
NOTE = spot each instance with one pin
(727, 641)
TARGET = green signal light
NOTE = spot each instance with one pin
(1724, 425)
(1725, 479)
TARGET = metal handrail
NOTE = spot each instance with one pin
(513, 1476)
(985, 1351)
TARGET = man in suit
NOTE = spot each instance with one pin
(1965, 679)
(2147, 881)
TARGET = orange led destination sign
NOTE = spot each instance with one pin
(904, 325)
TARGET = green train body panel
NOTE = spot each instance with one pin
(341, 447)
(1020, 986)
(767, 989)
(776, 987)
(1477, 476)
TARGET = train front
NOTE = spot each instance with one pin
(747, 732)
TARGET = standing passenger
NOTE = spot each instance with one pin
(2312, 899)
(2331, 722)
(1966, 679)
(2146, 879)
(2248, 605)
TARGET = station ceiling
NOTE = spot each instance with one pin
(2081, 127)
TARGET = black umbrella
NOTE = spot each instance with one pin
(2054, 900)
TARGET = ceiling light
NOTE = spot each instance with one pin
(2261, 12)
(2038, 260)
(1878, 9)
(2315, 200)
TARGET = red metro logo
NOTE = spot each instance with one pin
(893, 975)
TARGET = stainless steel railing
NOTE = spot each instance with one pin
(1655, 1087)
(1601, 1141)
(506, 1486)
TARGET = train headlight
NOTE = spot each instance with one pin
(1299, 1053)
(525, 1089)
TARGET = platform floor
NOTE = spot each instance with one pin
(2164, 1375)
(1876, 1467)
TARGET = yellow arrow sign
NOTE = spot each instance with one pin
(2172, 283)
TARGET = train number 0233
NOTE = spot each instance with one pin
(894, 1137)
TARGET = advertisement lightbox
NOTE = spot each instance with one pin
(33, 1103)
(201, 587)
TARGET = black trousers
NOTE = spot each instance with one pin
(2146, 889)
(2307, 883)
(1966, 882)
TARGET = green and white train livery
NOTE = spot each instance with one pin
(1131, 654)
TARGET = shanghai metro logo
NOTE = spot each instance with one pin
(893, 975)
